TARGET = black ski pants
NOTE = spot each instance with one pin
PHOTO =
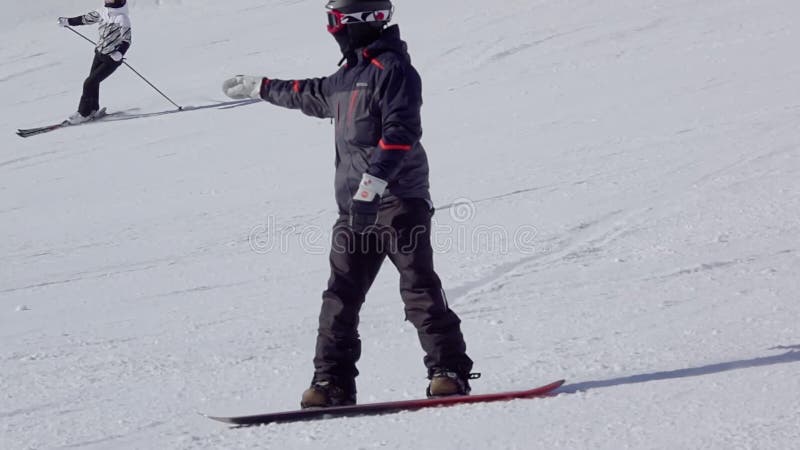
(404, 235)
(102, 67)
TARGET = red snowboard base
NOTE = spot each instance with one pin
(371, 409)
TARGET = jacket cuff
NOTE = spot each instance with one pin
(264, 87)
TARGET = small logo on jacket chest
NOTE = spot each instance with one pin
(362, 84)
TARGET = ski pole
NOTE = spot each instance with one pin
(180, 108)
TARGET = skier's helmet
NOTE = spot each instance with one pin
(115, 3)
(341, 13)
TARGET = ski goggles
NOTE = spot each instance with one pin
(337, 20)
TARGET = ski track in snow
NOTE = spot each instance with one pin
(161, 264)
(28, 72)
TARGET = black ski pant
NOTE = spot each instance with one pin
(404, 235)
(102, 67)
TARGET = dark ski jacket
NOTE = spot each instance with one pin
(375, 101)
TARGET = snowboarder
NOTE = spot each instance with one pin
(382, 193)
(115, 40)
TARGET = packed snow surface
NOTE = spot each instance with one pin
(618, 205)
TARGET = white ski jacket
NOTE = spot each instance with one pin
(114, 27)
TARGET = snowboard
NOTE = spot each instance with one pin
(372, 409)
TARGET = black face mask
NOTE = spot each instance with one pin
(355, 36)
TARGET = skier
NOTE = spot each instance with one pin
(382, 193)
(115, 40)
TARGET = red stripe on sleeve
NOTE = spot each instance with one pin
(296, 86)
(385, 146)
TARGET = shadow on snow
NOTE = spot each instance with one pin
(220, 105)
(789, 357)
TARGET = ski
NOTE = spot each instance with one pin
(98, 116)
(129, 115)
(34, 131)
(372, 409)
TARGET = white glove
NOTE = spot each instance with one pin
(243, 86)
(116, 56)
(369, 188)
(366, 203)
(63, 21)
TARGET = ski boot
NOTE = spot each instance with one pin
(77, 118)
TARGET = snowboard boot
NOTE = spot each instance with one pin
(445, 382)
(325, 393)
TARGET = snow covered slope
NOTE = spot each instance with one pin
(619, 206)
